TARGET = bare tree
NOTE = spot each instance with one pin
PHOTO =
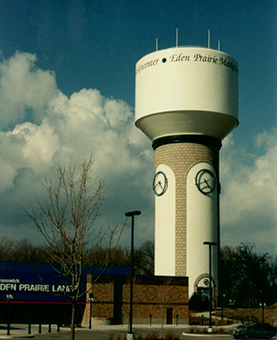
(66, 220)
(6, 249)
(116, 256)
(144, 258)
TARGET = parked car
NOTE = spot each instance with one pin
(255, 331)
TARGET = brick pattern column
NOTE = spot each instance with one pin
(181, 157)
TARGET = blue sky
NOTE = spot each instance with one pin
(78, 57)
(95, 44)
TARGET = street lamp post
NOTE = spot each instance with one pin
(210, 244)
(90, 308)
(132, 214)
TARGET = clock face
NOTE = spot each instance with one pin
(205, 181)
(160, 183)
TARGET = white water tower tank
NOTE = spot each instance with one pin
(186, 90)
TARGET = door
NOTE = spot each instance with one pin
(169, 316)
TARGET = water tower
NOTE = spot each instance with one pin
(186, 103)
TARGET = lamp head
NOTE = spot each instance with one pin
(210, 243)
(132, 213)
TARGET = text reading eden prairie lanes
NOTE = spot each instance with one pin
(187, 58)
(26, 287)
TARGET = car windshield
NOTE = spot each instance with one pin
(242, 327)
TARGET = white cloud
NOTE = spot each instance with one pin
(24, 87)
(249, 201)
(68, 130)
(8, 174)
(117, 112)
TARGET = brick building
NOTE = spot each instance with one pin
(156, 299)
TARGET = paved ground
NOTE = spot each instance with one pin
(103, 333)
(99, 332)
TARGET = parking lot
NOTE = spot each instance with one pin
(105, 332)
(100, 332)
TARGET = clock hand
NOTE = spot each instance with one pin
(206, 181)
(160, 183)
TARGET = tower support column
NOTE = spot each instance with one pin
(177, 158)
